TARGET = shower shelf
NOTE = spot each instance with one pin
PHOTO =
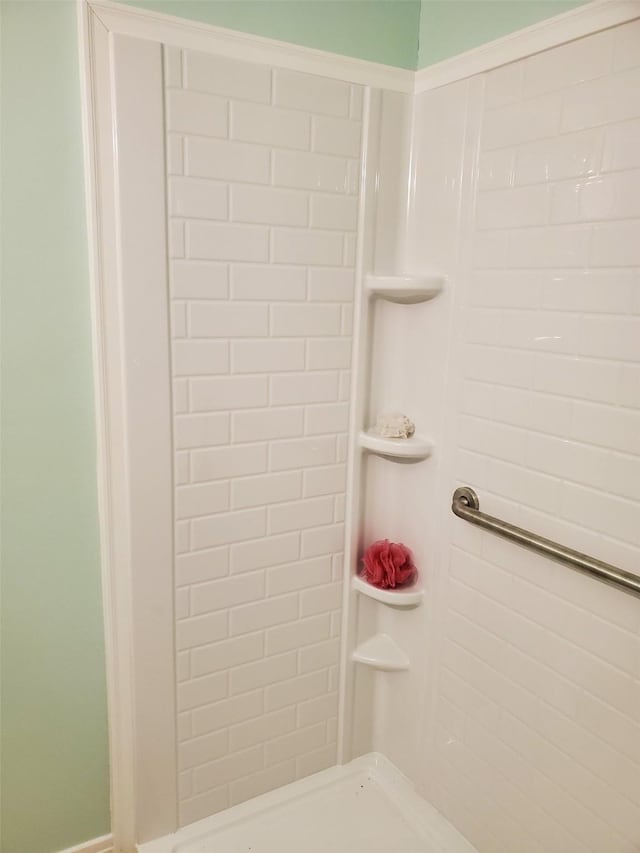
(407, 289)
(409, 596)
(380, 652)
(412, 449)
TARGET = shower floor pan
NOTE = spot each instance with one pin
(366, 806)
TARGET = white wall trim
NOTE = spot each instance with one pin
(591, 18)
(104, 844)
(127, 233)
(118, 674)
(169, 29)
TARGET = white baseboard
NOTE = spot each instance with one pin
(104, 844)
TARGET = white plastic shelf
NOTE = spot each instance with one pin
(415, 448)
(407, 289)
(380, 652)
(407, 596)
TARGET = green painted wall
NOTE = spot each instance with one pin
(54, 733)
(449, 27)
(380, 30)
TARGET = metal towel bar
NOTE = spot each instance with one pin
(466, 505)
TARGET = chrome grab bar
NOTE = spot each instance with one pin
(465, 504)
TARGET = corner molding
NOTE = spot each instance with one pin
(193, 35)
(118, 673)
(591, 18)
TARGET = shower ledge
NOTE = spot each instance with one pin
(381, 652)
(406, 289)
(409, 596)
(413, 449)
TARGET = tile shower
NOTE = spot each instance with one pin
(470, 256)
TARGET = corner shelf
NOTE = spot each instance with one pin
(406, 289)
(414, 448)
(380, 652)
(408, 596)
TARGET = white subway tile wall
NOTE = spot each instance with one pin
(538, 745)
(263, 189)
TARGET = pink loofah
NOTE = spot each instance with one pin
(388, 564)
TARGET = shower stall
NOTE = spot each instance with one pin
(288, 244)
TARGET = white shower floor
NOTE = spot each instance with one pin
(366, 806)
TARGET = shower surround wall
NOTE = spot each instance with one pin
(527, 193)
(518, 716)
(263, 200)
(524, 675)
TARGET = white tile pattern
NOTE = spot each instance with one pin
(262, 217)
(536, 721)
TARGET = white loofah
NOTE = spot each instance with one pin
(394, 425)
